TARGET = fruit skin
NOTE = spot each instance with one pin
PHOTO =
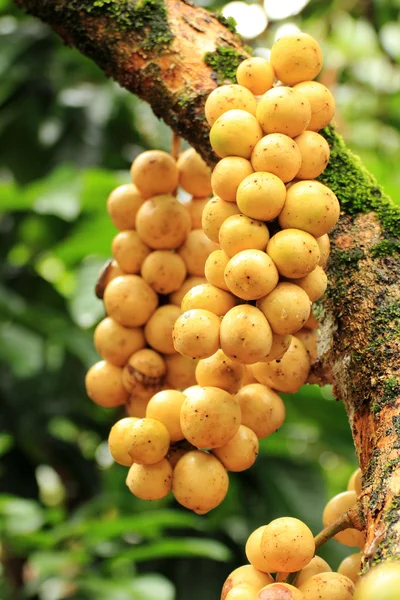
(227, 97)
(116, 343)
(355, 482)
(215, 267)
(329, 586)
(334, 509)
(120, 440)
(321, 101)
(104, 385)
(278, 154)
(261, 196)
(246, 574)
(165, 406)
(314, 284)
(296, 58)
(251, 274)
(200, 482)
(208, 297)
(287, 544)
(180, 371)
(235, 133)
(283, 110)
(220, 371)
(315, 566)
(144, 373)
(214, 214)
(154, 172)
(177, 296)
(240, 452)
(158, 329)
(245, 334)
(150, 482)
(194, 173)
(380, 583)
(162, 222)
(295, 252)
(253, 550)
(243, 591)
(150, 441)
(240, 232)
(129, 251)
(262, 409)
(196, 333)
(123, 204)
(351, 566)
(195, 250)
(256, 74)
(228, 173)
(129, 300)
(315, 153)
(280, 591)
(164, 271)
(286, 308)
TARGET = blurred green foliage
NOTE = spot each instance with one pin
(69, 526)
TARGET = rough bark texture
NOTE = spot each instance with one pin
(172, 54)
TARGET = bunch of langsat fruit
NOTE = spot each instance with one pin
(286, 548)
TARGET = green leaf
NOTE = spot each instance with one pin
(176, 547)
(146, 587)
(92, 236)
(85, 308)
(22, 349)
(19, 516)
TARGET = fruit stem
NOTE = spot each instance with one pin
(176, 145)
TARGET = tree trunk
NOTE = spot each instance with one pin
(172, 54)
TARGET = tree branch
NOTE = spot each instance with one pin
(172, 54)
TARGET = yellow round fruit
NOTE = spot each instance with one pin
(214, 214)
(177, 297)
(210, 417)
(315, 566)
(215, 267)
(296, 57)
(242, 591)
(314, 284)
(149, 441)
(165, 406)
(208, 297)
(194, 174)
(287, 374)
(200, 481)
(287, 544)
(261, 196)
(321, 101)
(196, 333)
(240, 232)
(116, 343)
(104, 385)
(263, 411)
(278, 154)
(164, 271)
(380, 583)
(255, 74)
(109, 271)
(351, 567)
(248, 376)
(120, 440)
(129, 251)
(235, 133)
(355, 482)
(136, 405)
(245, 334)
(176, 451)
(240, 452)
(144, 373)
(163, 223)
(195, 251)
(150, 482)
(154, 172)
(284, 110)
(286, 308)
(158, 329)
(253, 550)
(315, 153)
(251, 274)
(228, 97)
(310, 206)
(180, 371)
(309, 338)
(247, 575)
(228, 173)
(280, 343)
(195, 207)
(295, 253)
(129, 300)
(220, 371)
(335, 508)
(123, 204)
(276, 591)
(329, 586)
(324, 248)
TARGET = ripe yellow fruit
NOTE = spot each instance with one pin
(163, 223)
(235, 133)
(150, 482)
(324, 248)
(315, 153)
(165, 406)
(220, 371)
(276, 591)
(314, 284)
(208, 297)
(287, 374)
(251, 274)
(210, 417)
(295, 253)
(195, 251)
(355, 482)
(309, 337)
(296, 57)
(228, 173)
(104, 385)
(240, 232)
(382, 583)
(196, 333)
(245, 334)
(144, 373)
(109, 271)
(315, 566)
(240, 452)
(164, 271)
(154, 172)
(248, 376)
(136, 405)
(215, 267)
(228, 97)
(253, 550)
(311, 322)
(351, 566)
(194, 174)
(129, 251)
(335, 508)
(200, 481)
(242, 591)
(129, 300)
(329, 586)
(123, 204)
(287, 544)
(283, 110)
(149, 441)
(120, 441)
(116, 343)
(195, 207)
(278, 154)
(177, 297)
(176, 451)
(248, 575)
(255, 74)
(214, 214)
(280, 343)
(158, 329)
(261, 196)
(287, 308)
(310, 206)
(321, 101)
(263, 411)
(180, 371)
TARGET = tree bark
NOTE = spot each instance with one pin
(172, 54)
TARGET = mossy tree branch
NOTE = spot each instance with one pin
(171, 54)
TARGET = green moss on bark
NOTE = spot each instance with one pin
(224, 62)
(228, 22)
